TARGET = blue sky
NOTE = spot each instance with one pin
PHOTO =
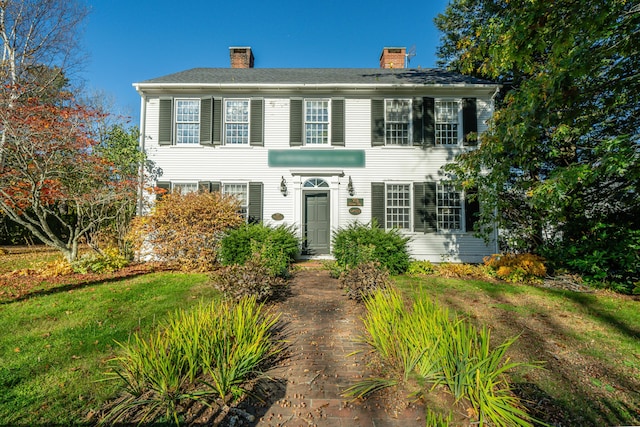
(130, 41)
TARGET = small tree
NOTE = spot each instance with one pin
(54, 180)
(186, 229)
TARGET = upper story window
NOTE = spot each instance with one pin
(398, 121)
(398, 206)
(447, 122)
(187, 121)
(236, 121)
(240, 191)
(316, 121)
(449, 209)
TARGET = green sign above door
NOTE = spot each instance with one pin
(301, 158)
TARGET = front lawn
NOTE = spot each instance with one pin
(55, 344)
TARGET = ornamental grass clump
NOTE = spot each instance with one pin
(424, 342)
(206, 354)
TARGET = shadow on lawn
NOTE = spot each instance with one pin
(574, 387)
(28, 287)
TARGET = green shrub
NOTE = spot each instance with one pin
(251, 279)
(212, 350)
(420, 268)
(360, 243)
(276, 246)
(107, 262)
(363, 279)
(604, 256)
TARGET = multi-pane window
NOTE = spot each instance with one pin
(398, 121)
(187, 121)
(449, 207)
(316, 121)
(236, 121)
(185, 187)
(398, 206)
(241, 193)
(447, 122)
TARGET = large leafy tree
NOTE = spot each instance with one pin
(561, 159)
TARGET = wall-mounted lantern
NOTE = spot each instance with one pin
(350, 188)
(283, 186)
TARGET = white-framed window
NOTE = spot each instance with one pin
(397, 113)
(398, 206)
(241, 192)
(184, 187)
(450, 207)
(316, 121)
(236, 121)
(447, 120)
(187, 121)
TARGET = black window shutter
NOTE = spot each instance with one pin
(469, 121)
(337, 122)
(429, 207)
(295, 122)
(377, 203)
(418, 124)
(471, 209)
(419, 210)
(215, 186)
(429, 122)
(257, 122)
(255, 202)
(206, 108)
(377, 122)
(165, 125)
(217, 121)
(165, 185)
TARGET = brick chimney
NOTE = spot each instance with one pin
(393, 57)
(241, 57)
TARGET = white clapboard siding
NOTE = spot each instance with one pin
(383, 164)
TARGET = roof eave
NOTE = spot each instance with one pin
(141, 87)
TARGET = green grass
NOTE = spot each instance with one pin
(54, 348)
(590, 341)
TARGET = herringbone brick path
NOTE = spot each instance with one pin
(322, 327)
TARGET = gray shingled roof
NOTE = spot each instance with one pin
(309, 76)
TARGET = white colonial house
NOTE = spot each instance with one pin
(322, 148)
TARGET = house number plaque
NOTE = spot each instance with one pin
(355, 211)
(277, 217)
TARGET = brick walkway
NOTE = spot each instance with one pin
(322, 328)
